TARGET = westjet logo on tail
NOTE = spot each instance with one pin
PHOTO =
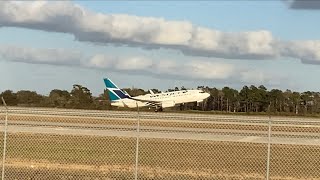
(114, 92)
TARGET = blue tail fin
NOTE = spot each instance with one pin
(114, 92)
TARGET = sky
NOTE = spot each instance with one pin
(159, 44)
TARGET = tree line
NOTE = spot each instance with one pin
(249, 99)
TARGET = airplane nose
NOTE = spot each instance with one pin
(206, 95)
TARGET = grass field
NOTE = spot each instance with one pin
(39, 156)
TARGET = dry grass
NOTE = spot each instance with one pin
(39, 156)
(70, 119)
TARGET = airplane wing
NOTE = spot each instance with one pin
(142, 100)
(148, 102)
(163, 104)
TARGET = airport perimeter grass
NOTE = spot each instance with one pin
(89, 157)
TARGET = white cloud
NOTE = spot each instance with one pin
(166, 68)
(253, 76)
(100, 61)
(40, 56)
(198, 70)
(148, 32)
(209, 70)
(303, 4)
(307, 51)
(134, 63)
(258, 77)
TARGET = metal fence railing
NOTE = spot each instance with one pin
(79, 144)
(4, 138)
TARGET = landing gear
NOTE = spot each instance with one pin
(182, 107)
(158, 109)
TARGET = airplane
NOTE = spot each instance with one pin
(121, 98)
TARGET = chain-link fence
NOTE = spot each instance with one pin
(3, 136)
(79, 144)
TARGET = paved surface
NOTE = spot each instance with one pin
(167, 132)
(153, 115)
(166, 135)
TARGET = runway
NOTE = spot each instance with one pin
(207, 127)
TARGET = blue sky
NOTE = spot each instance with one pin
(286, 71)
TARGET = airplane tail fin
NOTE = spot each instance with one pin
(114, 92)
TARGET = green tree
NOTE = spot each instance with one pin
(214, 99)
(170, 90)
(244, 98)
(135, 91)
(307, 101)
(277, 100)
(81, 97)
(156, 91)
(263, 98)
(294, 100)
(316, 100)
(59, 98)
(10, 98)
(231, 98)
(29, 98)
(102, 102)
(257, 98)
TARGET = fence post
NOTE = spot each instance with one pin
(269, 145)
(5, 138)
(137, 144)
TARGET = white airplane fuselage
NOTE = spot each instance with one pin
(168, 99)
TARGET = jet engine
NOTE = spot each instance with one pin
(199, 102)
(166, 104)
